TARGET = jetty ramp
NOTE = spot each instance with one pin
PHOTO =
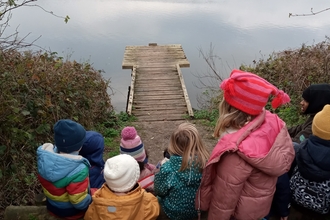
(157, 91)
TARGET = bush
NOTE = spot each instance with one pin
(37, 89)
(111, 129)
(293, 71)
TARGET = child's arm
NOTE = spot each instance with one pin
(282, 195)
(293, 131)
(166, 158)
(78, 190)
(152, 207)
(162, 182)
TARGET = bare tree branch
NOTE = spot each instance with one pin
(209, 58)
(12, 41)
(11, 5)
(312, 13)
(50, 12)
(209, 80)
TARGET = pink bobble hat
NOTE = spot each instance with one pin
(131, 144)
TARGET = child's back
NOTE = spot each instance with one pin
(92, 150)
(179, 178)
(121, 197)
(62, 173)
(176, 190)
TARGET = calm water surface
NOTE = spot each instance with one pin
(241, 31)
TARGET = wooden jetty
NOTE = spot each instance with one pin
(157, 91)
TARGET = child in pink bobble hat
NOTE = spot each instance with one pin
(131, 144)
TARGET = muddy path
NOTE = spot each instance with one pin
(156, 136)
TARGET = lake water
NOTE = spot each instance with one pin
(240, 31)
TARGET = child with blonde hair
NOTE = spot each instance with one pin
(178, 179)
(254, 148)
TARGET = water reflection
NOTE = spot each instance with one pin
(241, 31)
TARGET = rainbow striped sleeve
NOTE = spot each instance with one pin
(78, 189)
(73, 189)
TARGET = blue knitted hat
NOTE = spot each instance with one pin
(69, 135)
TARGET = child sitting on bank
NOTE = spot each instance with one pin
(92, 150)
(310, 182)
(121, 197)
(63, 173)
(131, 144)
(178, 179)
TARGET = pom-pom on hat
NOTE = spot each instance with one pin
(321, 123)
(250, 93)
(69, 136)
(121, 173)
(131, 144)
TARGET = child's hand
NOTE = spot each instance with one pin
(163, 161)
(154, 171)
(284, 218)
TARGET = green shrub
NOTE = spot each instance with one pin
(207, 117)
(293, 71)
(37, 89)
(111, 129)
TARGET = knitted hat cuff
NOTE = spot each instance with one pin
(321, 123)
(138, 152)
(72, 148)
(325, 135)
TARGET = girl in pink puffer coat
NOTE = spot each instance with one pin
(254, 148)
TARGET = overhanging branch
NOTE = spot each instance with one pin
(312, 13)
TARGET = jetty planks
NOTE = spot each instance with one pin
(157, 90)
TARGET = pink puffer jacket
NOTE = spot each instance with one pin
(240, 178)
